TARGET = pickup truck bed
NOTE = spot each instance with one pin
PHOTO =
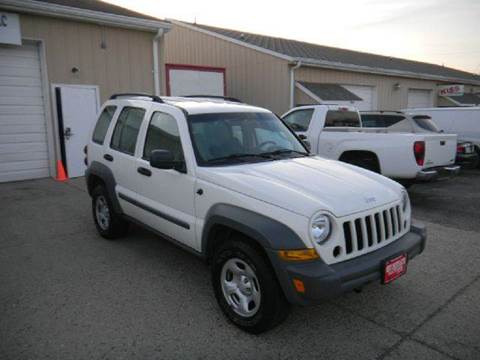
(403, 156)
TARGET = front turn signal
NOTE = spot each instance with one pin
(298, 255)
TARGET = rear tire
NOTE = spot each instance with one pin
(246, 287)
(109, 224)
(366, 162)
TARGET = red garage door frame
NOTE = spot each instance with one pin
(169, 67)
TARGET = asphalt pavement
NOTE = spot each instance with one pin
(66, 293)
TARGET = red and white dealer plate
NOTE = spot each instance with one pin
(394, 268)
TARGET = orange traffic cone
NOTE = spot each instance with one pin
(61, 174)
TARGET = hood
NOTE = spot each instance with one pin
(307, 185)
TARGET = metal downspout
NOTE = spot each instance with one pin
(292, 82)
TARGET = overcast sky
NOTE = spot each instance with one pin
(437, 31)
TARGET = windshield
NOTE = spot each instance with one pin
(225, 138)
(426, 123)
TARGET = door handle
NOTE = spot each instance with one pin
(68, 133)
(143, 171)
(108, 157)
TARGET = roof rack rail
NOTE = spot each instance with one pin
(227, 98)
(151, 97)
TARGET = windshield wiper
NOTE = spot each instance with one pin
(285, 151)
(237, 157)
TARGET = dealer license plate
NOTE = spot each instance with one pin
(394, 268)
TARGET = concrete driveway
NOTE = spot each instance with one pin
(66, 293)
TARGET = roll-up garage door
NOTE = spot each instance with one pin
(366, 93)
(419, 98)
(185, 80)
(23, 138)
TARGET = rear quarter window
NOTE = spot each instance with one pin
(102, 125)
(381, 121)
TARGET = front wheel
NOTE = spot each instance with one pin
(246, 288)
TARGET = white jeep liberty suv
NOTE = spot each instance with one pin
(233, 184)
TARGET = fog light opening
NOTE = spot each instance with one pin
(337, 251)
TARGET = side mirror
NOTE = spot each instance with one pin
(164, 159)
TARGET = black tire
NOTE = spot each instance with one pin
(116, 226)
(406, 183)
(273, 308)
(477, 149)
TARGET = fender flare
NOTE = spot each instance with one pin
(103, 172)
(269, 233)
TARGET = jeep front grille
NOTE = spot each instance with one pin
(367, 231)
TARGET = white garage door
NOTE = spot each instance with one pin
(366, 93)
(419, 98)
(195, 81)
(23, 140)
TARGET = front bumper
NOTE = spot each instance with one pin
(324, 281)
(436, 173)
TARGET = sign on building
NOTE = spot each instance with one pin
(451, 90)
(10, 29)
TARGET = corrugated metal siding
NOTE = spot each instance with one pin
(387, 97)
(125, 65)
(251, 76)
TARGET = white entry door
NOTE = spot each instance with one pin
(77, 113)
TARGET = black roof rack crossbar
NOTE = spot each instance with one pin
(151, 97)
(227, 98)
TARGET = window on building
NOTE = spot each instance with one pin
(103, 123)
(342, 118)
(125, 134)
(299, 120)
(163, 134)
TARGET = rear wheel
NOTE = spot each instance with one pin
(109, 224)
(246, 287)
(364, 160)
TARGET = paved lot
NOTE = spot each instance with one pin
(66, 293)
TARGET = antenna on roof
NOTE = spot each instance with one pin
(195, 19)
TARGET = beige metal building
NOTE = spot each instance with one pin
(278, 73)
(59, 60)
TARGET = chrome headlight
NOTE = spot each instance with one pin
(405, 201)
(320, 228)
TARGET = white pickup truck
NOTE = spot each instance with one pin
(335, 132)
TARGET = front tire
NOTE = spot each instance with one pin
(246, 287)
(108, 223)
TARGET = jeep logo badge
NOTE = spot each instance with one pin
(369, 200)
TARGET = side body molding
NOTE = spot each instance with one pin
(268, 232)
(105, 174)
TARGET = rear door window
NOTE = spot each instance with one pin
(342, 118)
(103, 123)
(299, 120)
(124, 138)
